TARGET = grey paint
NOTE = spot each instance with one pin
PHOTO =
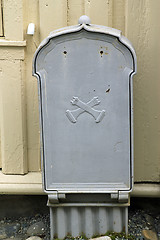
(86, 115)
(86, 156)
(80, 220)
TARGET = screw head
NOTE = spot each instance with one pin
(84, 20)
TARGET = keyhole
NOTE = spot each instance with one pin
(101, 52)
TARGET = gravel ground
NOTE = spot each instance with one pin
(25, 223)
(143, 219)
(144, 214)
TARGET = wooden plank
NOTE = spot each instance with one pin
(13, 19)
(9, 43)
(100, 12)
(25, 189)
(11, 53)
(0, 149)
(13, 138)
(0, 126)
(53, 15)
(30, 178)
(1, 19)
(142, 20)
(75, 9)
(30, 183)
(118, 15)
(32, 114)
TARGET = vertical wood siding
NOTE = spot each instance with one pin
(1, 18)
(19, 120)
(12, 91)
(143, 31)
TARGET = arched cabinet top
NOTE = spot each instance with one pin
(90, 28)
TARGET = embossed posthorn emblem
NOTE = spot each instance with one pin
(85, 107)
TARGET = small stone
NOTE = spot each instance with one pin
(2, 232)
(101, 238)
(34, 238)
(150, 221)
(36, 229)
(3, 236)
(149, 234)
(12, 228)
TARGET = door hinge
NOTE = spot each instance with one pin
(54, 197)
(121, 196)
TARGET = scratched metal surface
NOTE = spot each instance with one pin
(86, 144)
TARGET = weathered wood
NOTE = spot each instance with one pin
(13, 19)
(138, 21)
(142, 29)
(75, 9)
(118, 15)
(13, 128)
(1, 19)
(100, 12)
(32, 114)
(53, 15)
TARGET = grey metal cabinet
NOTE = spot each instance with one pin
(86, 112)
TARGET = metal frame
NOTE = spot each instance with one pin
(96, 29)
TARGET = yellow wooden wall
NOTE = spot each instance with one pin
(19, 121)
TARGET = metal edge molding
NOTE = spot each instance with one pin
(89, 28)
